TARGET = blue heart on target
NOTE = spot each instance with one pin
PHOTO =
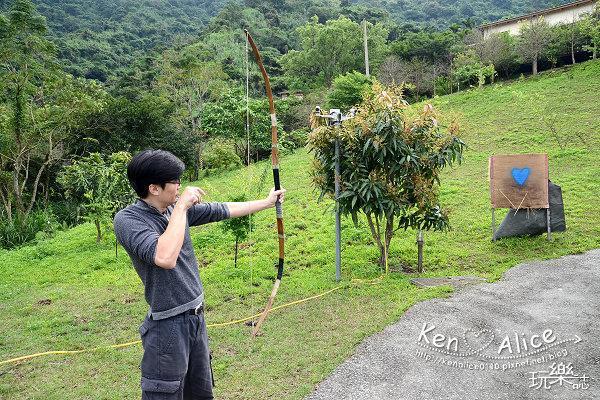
(520, 175)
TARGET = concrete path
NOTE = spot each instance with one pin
(535, 334)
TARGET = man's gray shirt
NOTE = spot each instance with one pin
(168, 291)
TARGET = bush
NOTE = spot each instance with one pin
(239, 227)
(24, 228)
(294, 139)
(292, 112)
(348, 90)
(67, 212)
(220, 155)
(443, 85)
(132, 126)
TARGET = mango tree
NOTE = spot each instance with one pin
(390, 165)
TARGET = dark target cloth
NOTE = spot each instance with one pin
(168, 292)
(531, 222)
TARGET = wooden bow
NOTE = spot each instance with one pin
(275, 164)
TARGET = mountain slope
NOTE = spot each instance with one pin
(100, 38)
(441, 14)
(103, 39)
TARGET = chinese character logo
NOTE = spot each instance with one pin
(560, 374)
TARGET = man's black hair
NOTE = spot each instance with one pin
(153, 167)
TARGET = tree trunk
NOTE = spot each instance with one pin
(6, 202)
(381, 260)
(389, 232)
(19, 115)
(450, 74)
(47, 189)
(196, 174)
(382, 239)
(573, 53)
(420, 251)
(22, 165)
(18, 199)
(377, 236)
(18, 162)
(434, 78)
(534, 66)
(236, 253)
(199, 162)
(35, 184)
(98, 231)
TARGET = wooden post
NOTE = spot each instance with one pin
(366, 48)
(420, 251)
(493, 224)
(548, 226)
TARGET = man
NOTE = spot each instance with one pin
(155, 233)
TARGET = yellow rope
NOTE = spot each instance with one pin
(117, 346)
(273, 309)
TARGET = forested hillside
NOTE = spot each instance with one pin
(442, 14)
(104, 39)
(99, 38)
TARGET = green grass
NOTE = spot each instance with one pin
(96, 298)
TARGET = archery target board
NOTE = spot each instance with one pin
(519, 181)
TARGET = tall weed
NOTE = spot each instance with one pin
(24, 228)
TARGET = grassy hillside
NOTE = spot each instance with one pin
(71, 293)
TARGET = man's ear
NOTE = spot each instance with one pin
(154, 189)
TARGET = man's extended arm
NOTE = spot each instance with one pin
(241, 209)
(169, 243)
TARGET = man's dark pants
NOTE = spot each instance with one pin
(176, 361)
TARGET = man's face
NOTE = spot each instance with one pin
(168, 195)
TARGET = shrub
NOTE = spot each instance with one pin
(294, 139)
(24, 228)
(240, 227)
(67, 212)
(348, 90)
(220, 155)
